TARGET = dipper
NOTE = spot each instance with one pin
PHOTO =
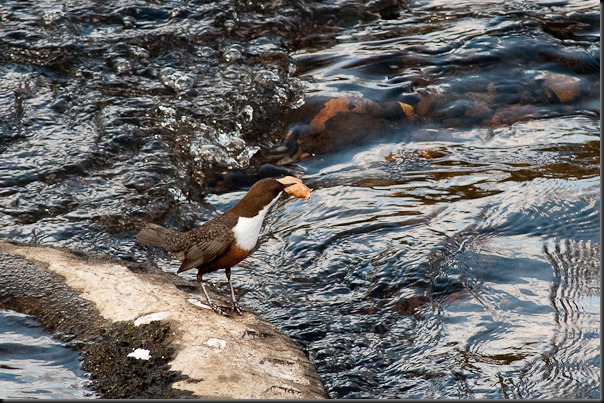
(226, 240)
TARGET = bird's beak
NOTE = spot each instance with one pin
(294, 187)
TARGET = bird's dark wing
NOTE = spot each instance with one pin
(210, 241)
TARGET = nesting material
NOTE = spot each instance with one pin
(298, 190)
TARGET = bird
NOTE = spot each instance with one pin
(226, 240)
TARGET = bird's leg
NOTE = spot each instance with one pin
(236, 306)
(212, 305)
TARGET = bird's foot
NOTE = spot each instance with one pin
(218, 310)
(237, 308)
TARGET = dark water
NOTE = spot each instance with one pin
(35, 366)
(455, 253)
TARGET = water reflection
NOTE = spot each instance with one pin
(34, 366)
(434, 272)
(448, 252)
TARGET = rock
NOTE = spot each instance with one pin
(561, 87)
(129, 309)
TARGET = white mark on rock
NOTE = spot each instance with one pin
(218, 344)
(140, 354)
(284, 373)
(143, 320)
(198, 303)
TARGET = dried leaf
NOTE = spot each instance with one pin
(298, 190)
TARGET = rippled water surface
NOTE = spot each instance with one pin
(451, 252)
(33, 365)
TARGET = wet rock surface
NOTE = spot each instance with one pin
(114, 114)
(112, 314)
(117, 375)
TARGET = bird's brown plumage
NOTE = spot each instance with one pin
(213, 245)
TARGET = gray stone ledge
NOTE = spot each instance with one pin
(108, 308)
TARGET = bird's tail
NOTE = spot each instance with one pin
(156, 235)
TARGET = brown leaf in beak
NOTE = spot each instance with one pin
(295, 187)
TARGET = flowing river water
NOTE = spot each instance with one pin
(451, 248)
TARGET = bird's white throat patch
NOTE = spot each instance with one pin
(247, 229)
